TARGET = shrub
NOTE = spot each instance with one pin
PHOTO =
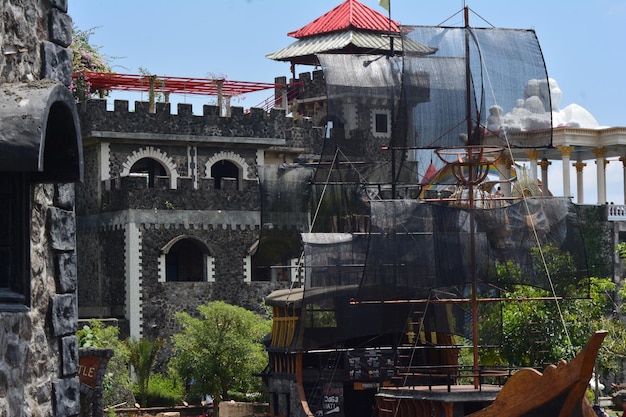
(163, 391)
(116, 382)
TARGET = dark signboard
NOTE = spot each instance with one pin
(88, 370)
(369, 364)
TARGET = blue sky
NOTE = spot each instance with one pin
(583, 41)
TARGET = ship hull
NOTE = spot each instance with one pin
(557, 392)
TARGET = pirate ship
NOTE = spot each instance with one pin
(397, 275)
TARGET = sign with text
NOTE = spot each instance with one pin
(333, 401)
(88, 370)
(370, 364)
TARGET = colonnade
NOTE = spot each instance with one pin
(540, 165)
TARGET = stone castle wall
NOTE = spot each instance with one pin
(228, 236)
(101, 273)
(227, 243)
(88, 198)
(309, 84)
(35, 40)
(38, 347)
(133, 194)
(257, 123)
(185, 203)
(39, 362)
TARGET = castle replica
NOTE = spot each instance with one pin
(179, 209)
(170, 209)
(169, 212)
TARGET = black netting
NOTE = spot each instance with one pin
(481, 81)
(285, 200)
(417, 246)
(339, 199)
(363, 95)
(424, 257)
(477, 87)
(285, 196)
(378, 269)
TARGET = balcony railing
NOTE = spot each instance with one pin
(616, 212)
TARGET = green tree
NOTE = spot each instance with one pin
(557, 266)
(534, 333)
(221, 350)
(537, 332)
(142, 353)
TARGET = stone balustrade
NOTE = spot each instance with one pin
(616, 212)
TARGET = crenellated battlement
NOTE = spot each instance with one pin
(308, 85)
(314, 84)
(256, 123)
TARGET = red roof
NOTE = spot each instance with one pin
(348, 15)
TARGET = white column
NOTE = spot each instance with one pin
(600, 154)
(580, 186)
(220, 97)
(210, 268)
(504, 164)
(566, 151)
(192, 165)
(533, 156)
(133, 279)
(544, 164)
(623, 159)
(105, 161)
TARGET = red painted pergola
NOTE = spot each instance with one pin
(174, 85)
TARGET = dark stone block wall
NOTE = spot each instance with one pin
(38, 347)
(227, 245)
(101, 270)
(87, 194)
(255, 124)
(38, 365)
(310, 85)
(137, 196)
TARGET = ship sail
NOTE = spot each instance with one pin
(477, 73)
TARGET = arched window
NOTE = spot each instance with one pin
(150, 169)
(225, 169)
(228, 166)
(187, 259)
(143, 163)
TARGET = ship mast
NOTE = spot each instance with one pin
(470, 184)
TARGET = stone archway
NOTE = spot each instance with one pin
(153, 153)
(185, 258)
(239, 163)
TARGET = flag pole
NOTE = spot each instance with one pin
(387, 5)
(390, 37)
